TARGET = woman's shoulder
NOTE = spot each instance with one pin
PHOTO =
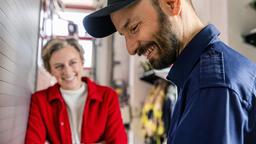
(100, 91)
(92, 85)
(44, 93)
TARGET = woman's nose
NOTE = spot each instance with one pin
(67, 70)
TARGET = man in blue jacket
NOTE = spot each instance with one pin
(216, 85)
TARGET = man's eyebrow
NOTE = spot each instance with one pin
(126, 24)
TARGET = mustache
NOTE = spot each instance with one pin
(143, 47)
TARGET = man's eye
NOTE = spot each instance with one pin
(134, 29)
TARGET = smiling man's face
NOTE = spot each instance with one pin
(147, 31)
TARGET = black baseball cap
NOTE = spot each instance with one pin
(99, 24)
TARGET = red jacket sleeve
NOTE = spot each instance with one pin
(36, 132)
(115, 131)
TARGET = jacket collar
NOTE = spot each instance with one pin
(190, 55)
(54, 93)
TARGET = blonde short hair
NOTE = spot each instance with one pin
(56, 44)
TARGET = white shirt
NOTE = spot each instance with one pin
(75, 101)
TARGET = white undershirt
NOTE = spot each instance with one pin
(75, 100)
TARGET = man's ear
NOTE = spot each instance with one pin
(171, 7)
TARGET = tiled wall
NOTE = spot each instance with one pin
(18, 51)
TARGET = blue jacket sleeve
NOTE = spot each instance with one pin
(215, 115)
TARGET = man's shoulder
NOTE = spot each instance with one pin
(212, 66)
(221, 65)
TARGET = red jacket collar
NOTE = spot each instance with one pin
(54, 93)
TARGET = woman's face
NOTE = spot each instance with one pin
(66, 66)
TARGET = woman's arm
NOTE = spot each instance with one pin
(36, 132)
(115, 131)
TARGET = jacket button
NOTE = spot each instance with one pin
(62, 123)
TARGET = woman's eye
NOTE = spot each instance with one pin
(73, 62)
(58, 67)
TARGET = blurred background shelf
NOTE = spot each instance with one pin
(250, 38)
(152, 76)
(253, 4)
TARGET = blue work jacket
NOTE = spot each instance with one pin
(216, 94)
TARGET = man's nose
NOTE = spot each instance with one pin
(131, 45)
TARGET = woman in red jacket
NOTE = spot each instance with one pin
(75, 110)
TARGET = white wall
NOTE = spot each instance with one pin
(103, 54)
(241, 19)
(214, 12)
(121, 58)
(233, 18)
(103, 61)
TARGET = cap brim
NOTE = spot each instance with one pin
(99, 24)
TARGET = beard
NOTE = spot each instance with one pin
(167, 46)
(166, 42)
